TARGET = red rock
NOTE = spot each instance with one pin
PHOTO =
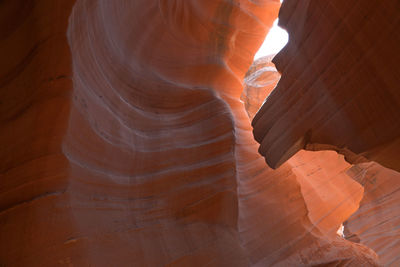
(127, 144)
(340, 85)
(330, 195)
(260, 80)
(36, 86)
(376, 223)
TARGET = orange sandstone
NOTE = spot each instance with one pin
(126, 143)
(339, 88)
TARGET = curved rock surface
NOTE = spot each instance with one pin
(330, 194)
(260, 80)
(340, 83)
(376, 222)
(208, 198)
(127, 144)
(35, 93)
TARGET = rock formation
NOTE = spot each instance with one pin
(35, 93)
(126, 143)
(330, 195)
(260, 80)
(332, 189)
(340, 85)
(376, 223)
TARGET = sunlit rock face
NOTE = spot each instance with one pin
(340, 83)
(162, 156)
(376, 223)
(330, 194)
(126, 143)
(366, 196)
(260, 80)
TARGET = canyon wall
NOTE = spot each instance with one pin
(340, 83)
(35, 93)
(376, 222)
(333, 189)
(126, 143)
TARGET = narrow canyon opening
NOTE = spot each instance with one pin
(331, 179)
(275, 40)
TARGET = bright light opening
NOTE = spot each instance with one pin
(340, 231)
(276, 39)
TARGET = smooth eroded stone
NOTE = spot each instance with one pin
(126, 142)
(376, 223)
(340, 84)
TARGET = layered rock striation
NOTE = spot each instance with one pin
(35, 93)
(376, 222)
(126, 142)
(260, 80)
(364, 196)
(179, 175)
(340, 83)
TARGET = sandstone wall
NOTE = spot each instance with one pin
(126, 143)
(340, 83)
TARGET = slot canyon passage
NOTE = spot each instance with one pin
(136, 133)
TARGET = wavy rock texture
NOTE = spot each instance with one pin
(260, 80)
(376, 222)
(332, 189)
(147, 158)
(35, 82)
(331, 196)
(340, 83)
(179, 176)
